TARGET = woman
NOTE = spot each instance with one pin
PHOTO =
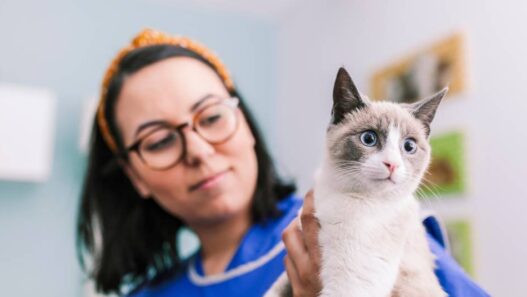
(174, 146)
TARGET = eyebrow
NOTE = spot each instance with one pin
(193, 108)
(200, 102)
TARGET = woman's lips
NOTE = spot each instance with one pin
(208, 182)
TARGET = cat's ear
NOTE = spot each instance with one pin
(425, 110)
(346, 97)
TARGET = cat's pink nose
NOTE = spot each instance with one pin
(391, 167)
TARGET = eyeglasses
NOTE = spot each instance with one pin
(165, 146)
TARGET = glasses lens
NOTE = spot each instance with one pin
(216, 123)
(161, 148)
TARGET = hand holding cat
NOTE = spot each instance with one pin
(303, 252)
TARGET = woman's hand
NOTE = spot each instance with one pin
(302, 262)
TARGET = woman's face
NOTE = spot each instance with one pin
(212, 182)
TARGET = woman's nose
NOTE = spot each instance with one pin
(197, 148)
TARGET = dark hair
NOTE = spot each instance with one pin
(133, 240)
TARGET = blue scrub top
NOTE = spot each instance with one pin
(259, 261)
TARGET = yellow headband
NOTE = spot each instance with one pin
(149, 37)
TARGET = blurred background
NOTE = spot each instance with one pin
(284, 55)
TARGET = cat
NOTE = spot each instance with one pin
(371, 238)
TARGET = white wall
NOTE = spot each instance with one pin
(364, 35)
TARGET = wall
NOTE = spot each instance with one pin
(65, 46)
(365, 35)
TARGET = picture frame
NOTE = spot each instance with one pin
(423, 72)
(446, 174)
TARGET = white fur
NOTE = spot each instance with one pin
(373, 244)
(367, 241)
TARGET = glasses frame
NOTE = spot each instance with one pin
(231, 102)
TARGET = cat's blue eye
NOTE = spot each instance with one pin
(410, 146)
(368, 138)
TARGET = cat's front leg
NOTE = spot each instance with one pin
(417, 284)
(357, 270)
(416, 277)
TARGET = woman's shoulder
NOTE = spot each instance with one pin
(257, 252)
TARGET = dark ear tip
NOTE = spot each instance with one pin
(342, 71)
(443, 92)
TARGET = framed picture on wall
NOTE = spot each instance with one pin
(27, 130)
(460, 239)
(446, 175)
(422, 73)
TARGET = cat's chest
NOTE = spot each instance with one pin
(347, 219)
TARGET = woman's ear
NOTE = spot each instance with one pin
(136, 180)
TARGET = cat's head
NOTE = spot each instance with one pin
(378, 147)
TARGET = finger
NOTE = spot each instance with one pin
(292, 273)
(296, 249)
(310, 227)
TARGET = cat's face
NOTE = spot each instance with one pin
(378, 147)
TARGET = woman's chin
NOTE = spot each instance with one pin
(223, 209)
